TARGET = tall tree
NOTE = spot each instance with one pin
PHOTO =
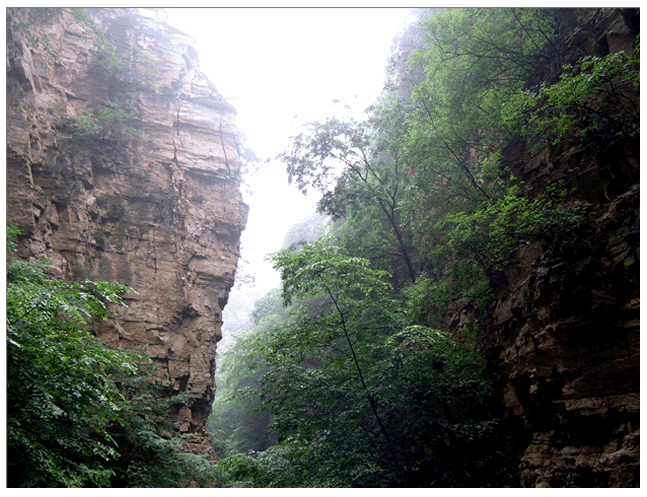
(474, 61)
(357, 398)
(342, 161)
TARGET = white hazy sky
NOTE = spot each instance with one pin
(281, 68)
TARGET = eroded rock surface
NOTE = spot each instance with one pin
(123, 164)
(564, 336)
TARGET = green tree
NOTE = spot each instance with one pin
(473, 60)
(313, 382)
(444, 110)
(353, 303)
(61, 392)
(235, 424)
(354, 175)
(78, 415)
(565, 110)
(356, 397)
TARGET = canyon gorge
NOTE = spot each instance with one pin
(124, 163)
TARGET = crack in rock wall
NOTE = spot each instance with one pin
(123, 164)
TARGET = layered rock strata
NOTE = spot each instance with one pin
(123, 164)
(564, 336)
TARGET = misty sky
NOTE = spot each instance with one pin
(282, 68)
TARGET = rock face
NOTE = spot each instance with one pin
(123, 164)
(564, 337)
(143, 188)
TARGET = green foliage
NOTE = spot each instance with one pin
(490, 233)
(307, 230)
(236, 424)
(426, 302)
(427, 160)
(357, 398)
(473, 61)
(355, 177)
(267, 307)
(12, 232)
(106, 50)
(61, 394)
(109, 123)
(466, 214)
(472, 244)
(559, 110)
(150, 446)
(318, 269)
(77, 414)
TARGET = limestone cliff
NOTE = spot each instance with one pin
(123, 164)
(564, 336)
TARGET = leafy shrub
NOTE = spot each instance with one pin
(78, 415)
(426, 301)
(109, 123)
(150, 446)
(61, 393)
(558, 110)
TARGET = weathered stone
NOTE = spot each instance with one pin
(121, 204)
(564, 334)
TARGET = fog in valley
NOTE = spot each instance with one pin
(282, 68)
